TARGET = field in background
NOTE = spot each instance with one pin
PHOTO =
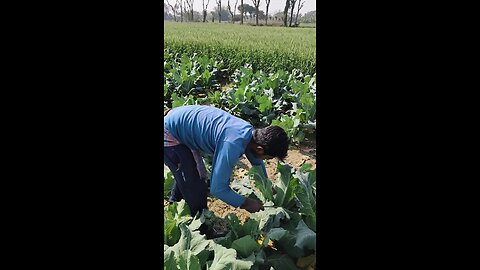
(265, 48)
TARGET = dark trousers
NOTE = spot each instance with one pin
(188, 184)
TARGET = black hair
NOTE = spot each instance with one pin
(274, 141)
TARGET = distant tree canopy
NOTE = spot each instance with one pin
(309, 17)
(166, 13)
(224, 13)
(247, 9)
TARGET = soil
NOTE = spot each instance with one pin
(297, 156)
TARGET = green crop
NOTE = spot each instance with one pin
(283, 98)
(264, 48)
(275, 237)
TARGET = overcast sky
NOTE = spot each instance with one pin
(275, 5)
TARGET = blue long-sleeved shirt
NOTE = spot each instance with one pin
(218, 133)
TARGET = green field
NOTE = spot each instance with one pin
(265, 48)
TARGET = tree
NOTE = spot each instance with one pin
(213, 16)
(219, 5)
(241, 11)
(300, 5)
(205, 9)
(247, 9)
(166, 12)
(232, 13)
(189, 3)
(256, 3)
(173, 8)
(285, 12)
(266, 11)
(309, 17)
(224, 13)
(292, 3)
(181, 9)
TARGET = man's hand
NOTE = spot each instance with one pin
(252, 205)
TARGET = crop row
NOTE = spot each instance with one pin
(286, 99)
(268, 49)
(283, 236)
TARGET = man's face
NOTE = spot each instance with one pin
(260, 153)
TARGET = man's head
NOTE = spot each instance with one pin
(270, 142)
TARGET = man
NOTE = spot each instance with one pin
(189, 130)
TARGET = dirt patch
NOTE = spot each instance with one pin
(221, 209)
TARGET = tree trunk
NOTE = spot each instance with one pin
(181, 12)
(285, 12)
(204, 15)
(291, 12)
(266, 17)
(241, 15)
(220, 12)
(256, 15)
(267, 3)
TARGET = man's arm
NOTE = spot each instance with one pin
(224, 160)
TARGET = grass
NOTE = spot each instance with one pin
(265, 48)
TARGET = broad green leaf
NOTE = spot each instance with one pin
(282, 185)
(305, 238)
(270, 217)
(304, 194)
(226, 259)
(203, 256)
(287, 244)
(182, 208)
(245, 246)
(242, 187)
(235, 226)
(261, 183)
(193, 241)
(196, 222)
(169, 262)
(188, 261)
(265, 104)
(260, 257)
(171, 232)
(281, 262)
(250, 227)
(168, 181)
(178, 211)
(226, 240)
(199, 242)
(274, 234)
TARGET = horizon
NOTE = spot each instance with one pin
(275, 5)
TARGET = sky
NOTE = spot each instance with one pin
(275, 5)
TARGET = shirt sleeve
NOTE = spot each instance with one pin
(256, 162)
(225, 158)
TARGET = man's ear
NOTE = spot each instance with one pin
(259, 149)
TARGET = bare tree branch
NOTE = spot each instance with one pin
(292, 3)
(300, 5)
(266, 11)
(256, 3)
(205, 9)
(219, 5)
(173, 10)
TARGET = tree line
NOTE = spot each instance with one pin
(182, 10)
